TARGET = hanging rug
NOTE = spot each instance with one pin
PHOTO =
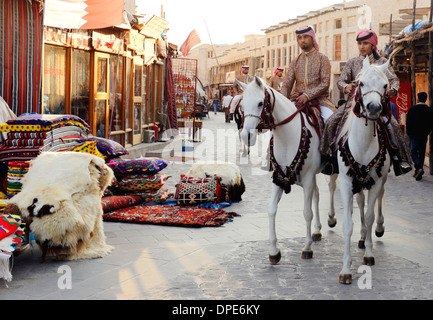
(181, 216)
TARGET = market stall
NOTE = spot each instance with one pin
(185, 81)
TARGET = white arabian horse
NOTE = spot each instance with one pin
(363, 159)
(296, 155)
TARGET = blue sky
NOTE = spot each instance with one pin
(225, 21)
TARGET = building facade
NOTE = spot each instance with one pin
(220, 64)
(336, 28)
(112, 78)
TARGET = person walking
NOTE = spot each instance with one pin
(243, 77)
(215, 103)
(419, 124)
(226, 105)
(276, 82)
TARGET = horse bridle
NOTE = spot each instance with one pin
(266, 118)
(359, 100)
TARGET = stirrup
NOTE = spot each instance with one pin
(399, 169)
(331, 165)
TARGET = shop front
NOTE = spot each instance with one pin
(102, 77)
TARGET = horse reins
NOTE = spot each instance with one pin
(266, 118)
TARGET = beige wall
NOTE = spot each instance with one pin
(354, 16)
(216, 61)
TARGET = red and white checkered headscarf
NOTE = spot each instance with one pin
(277, 70)
(309, 31)
(368, 36)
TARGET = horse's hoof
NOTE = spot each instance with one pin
(380, 234)
(317, 237)
(345, 278)
(368, 261)
(307, 255)
(332, 223)
(275, 259)
(361, 244)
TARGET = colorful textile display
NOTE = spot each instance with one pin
(31, 134)
(191, 191)
(16, 171)
(171, 215)
(141, 183)
(155, 196)
(109, 148)
(3, 205)
(88, 147)
(46, 122)
(8, 224)
(148, 166)
(12, 237)
(229, 173)
(140, 177)
(113, 203)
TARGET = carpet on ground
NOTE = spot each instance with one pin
(171, 215)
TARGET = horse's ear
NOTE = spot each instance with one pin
(241, 84)
(384, 66)
(258, 81)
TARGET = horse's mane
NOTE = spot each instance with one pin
(375, 68)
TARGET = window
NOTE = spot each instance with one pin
(284, 57)
(54, 94)
(268, 58)
(80, 80)
(338, 24)
(337, 47)
(278, 58)
(116, 94)
(285, 38)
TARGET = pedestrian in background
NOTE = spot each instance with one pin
(226, 105)
(276, 82)
(419, 124)
(215, 103)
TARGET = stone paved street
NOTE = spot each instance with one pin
(231, 262)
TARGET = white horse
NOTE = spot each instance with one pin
(296, 154)
(363, 160)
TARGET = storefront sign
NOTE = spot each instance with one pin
(403, 99)
(106, 42)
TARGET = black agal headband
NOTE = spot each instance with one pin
(302, 31)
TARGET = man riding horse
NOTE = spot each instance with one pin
(310, 74)
(309, 77)
(367, 45)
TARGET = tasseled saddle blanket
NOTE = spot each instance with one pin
(285, 180)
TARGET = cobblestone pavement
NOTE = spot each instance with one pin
(231, 262)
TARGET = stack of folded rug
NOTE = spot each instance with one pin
(11, 238)
(140, 177)
(31, 134)
(16, 171)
